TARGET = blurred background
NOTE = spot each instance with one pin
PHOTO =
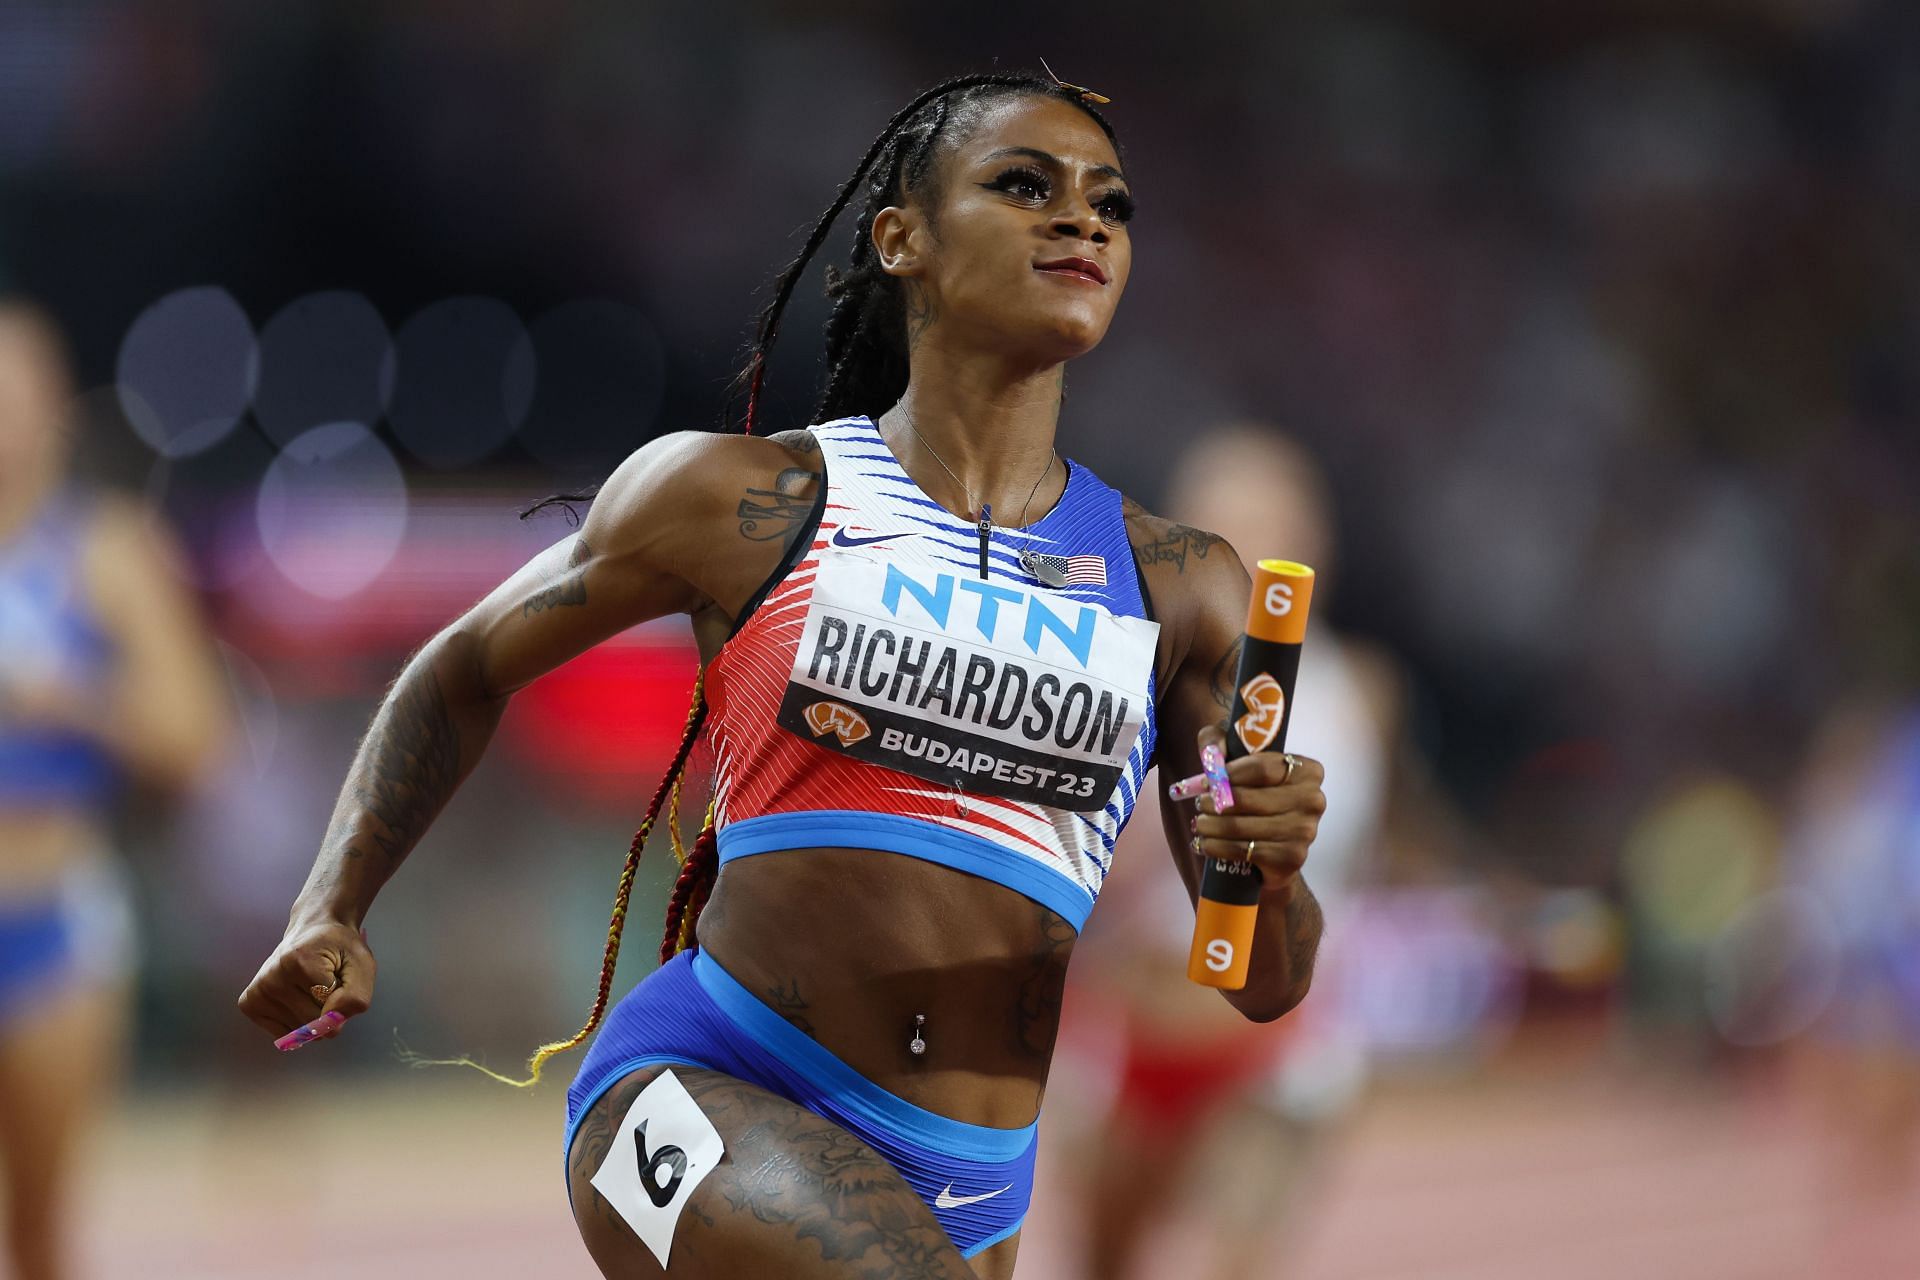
(1587, 336)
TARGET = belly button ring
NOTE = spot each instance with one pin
(917, 1046)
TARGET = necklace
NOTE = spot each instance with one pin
(1051, 457)
(986, 512)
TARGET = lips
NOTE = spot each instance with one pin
(1074, 266)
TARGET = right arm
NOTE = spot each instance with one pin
(646, 549)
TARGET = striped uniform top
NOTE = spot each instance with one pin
(882, 693)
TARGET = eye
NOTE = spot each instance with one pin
(1020, 180)
(1116, 206)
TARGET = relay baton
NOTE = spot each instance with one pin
(1262, 705)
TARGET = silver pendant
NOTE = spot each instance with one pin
(917, 1046)
(1043, 568)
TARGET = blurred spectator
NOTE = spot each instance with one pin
(1208, 1108)
(105, 678)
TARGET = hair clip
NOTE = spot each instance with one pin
(1099, 99)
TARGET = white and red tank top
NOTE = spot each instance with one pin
(885, 694)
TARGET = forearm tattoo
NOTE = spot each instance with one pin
(409, 763)
(1305, 924)
(570, 588)
(1177, 544)
(1224, 673)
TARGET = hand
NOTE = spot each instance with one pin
(322, 966)
(1278, 813)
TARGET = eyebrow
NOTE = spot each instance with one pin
(1047, 157)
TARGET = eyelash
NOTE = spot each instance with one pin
(1119, 204)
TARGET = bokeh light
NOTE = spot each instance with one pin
(466, 371)
(186, 370)
(332, 510)
(325, 357)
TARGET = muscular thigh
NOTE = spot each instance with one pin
(793, 1195)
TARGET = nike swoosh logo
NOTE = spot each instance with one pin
(840, 538)
(947, 1200)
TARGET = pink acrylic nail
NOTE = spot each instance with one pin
(319, 1029)
(1214, 761)
(1188, 788)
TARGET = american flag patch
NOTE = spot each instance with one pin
(1079, 571)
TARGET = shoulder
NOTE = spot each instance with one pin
(1198, 583)
(694, 477)
(1174, 548)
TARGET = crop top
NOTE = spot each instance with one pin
(48, 632)
(881, 693)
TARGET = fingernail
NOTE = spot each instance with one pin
(1214, 761)
(319, 1029)
(1188, 788)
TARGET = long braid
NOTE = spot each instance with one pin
(609, 958)
(866, 370)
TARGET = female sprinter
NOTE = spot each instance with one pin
(888, 669)
(105, 675)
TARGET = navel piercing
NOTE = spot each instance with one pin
(917, 1046)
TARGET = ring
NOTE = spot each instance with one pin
(1287, 777)
(1249, 851)
(320, 993)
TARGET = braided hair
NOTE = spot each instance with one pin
(867, 370)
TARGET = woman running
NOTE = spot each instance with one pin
(922, 633)
(106, 677)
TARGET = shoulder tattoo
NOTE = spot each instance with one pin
(1177, 544)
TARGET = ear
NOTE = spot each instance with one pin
(899, 236)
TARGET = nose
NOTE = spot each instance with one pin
(1075, 220)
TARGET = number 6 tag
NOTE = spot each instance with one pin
(661, 1151)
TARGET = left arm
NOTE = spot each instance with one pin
(1205, 591)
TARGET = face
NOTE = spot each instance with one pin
(1026, 250)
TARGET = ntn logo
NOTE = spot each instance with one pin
(937, 601)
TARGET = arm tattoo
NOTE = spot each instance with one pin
(779, 512)
(570, 588)
(1224, 672)
(1179, 541)
(787, 1001)
(1036, 1015)
(408, 765)
(1305, 924)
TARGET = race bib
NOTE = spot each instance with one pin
(665, 1146)
(990, 687)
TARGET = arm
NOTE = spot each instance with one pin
(645, 545)
(1207, 593)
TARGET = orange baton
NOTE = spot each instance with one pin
(1262, 706)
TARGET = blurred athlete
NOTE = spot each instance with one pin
(105, 677)
(1209, 1115)
(924, 635)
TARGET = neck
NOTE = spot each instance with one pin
(992, 425)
